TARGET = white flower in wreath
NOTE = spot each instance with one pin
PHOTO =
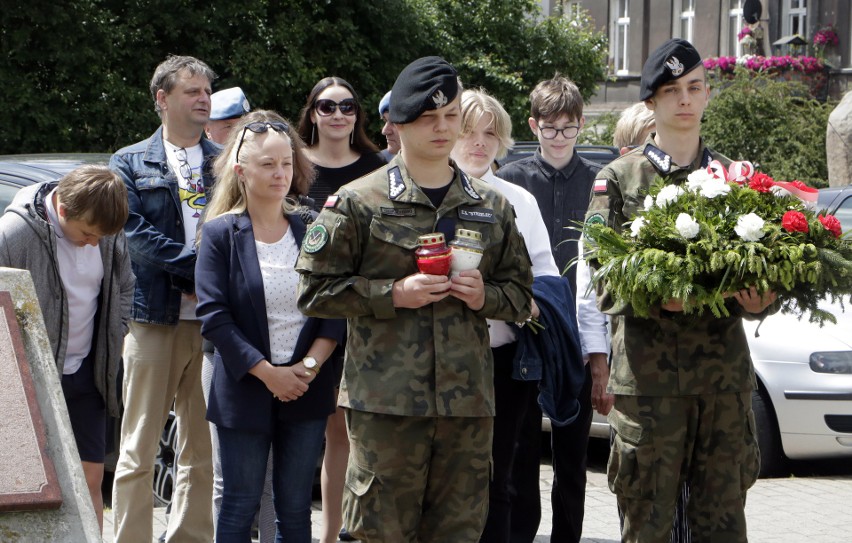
(636, 226)
(715, 187)
(686, 226)
(749, 227)
(696, 179)
(668, 194)
(649, 202)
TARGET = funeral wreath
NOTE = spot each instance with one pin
(722, 231)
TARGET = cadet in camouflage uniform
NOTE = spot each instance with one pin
(682, 383)
(418, 375)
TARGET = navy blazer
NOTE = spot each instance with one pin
(232, 309)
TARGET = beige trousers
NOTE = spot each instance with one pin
(162, 365)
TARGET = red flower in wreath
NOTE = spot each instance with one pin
(831, 224)
(794, 221)
(761, 182)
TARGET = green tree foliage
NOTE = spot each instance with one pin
(76, 74)
(771, 123)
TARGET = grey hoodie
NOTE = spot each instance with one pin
(28, 241)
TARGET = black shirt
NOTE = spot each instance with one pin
(563, 198)
(329, 180)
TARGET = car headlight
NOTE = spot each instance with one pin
(832, 362)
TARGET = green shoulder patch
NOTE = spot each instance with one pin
(315, 239)
(597, 218)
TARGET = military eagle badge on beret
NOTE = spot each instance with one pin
(675, 66)
(440, 99)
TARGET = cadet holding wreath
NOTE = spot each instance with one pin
(682, 382)
(417, 379)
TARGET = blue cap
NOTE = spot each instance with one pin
(228, 104)
(384, 105)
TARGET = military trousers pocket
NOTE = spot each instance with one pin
(750, 462)
(362, 509)
(631, 471)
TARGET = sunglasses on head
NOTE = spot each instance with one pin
(326, 107)
(261, 127)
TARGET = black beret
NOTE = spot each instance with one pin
(752, 11)
(668, 62)
(427, 83)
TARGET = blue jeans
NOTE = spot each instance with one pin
(296, 447)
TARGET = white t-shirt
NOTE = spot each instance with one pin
(186, 162)
(531, 226)
(82, 271)
(280, 284)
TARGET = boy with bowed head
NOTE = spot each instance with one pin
(682, 383)
(417, 380)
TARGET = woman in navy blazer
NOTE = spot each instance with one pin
(268, 388)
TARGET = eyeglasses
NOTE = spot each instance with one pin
(261, 127)
(326, 107)
(183, 164)
(569, 132)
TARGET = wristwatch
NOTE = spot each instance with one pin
(311, 363)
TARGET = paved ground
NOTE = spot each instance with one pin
(811, 505)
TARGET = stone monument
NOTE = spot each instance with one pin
(43, 493)
(838, 143)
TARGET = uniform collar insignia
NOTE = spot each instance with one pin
(675, 66)
(706, 158)
(468, 187)
(440, 99)
(659, 159)
(395, 185)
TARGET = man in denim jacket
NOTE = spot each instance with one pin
(166, 177)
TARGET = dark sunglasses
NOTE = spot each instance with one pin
(261, 127)
(326, 107)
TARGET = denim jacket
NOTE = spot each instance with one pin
(164, 266)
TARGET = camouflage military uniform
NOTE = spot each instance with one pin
(683, 389)
(418, 382)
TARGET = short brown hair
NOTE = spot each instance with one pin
(95, 195)
(554, 97)
(167, 72)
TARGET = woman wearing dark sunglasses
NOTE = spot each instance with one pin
(332, 122)
(268, 389)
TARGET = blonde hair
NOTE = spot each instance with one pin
(229, 195)
(632, 124)
(475, 104)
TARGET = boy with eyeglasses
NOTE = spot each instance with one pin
(561, 181)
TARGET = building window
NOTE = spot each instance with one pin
(735, 24)
(795, 17)
(571, 9)
(621, 33)
(686, 22)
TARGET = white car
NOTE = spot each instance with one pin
(803, 404)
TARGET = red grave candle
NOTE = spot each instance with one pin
(433, 255)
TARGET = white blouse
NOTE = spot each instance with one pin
(280, 283)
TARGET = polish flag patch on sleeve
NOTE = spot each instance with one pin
(331, 201)
(600, 185)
